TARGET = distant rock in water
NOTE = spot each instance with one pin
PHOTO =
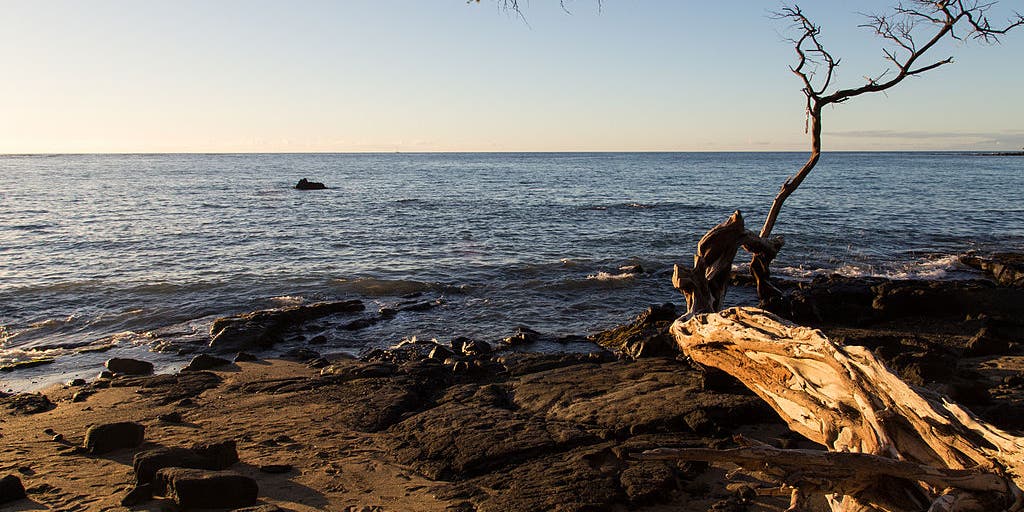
(305, 184)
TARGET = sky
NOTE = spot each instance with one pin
(447, 75)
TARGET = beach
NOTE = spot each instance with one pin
(428, 426)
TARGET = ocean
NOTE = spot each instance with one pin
(100, 251)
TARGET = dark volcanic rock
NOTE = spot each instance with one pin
(139, 494)
(27, 403)
(457, 438)
(987, 343)
(197, 488)
(11, 489)
(21, 365)
(646, 336)
(523, 363)
(261, 329)
(522, 336)
(244, 357)
(647, 481)
(1005, 268)
(648, 395)
(305, 184)
(833, 299)
(129, 366)
(168, 389)
(212, 457)
(112, 436)
(475, 347)
(578, 480)
(204, 362)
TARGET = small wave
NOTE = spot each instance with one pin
(641, 206)
(54, 322)
(946, 267)
(606, 276)
(288, 300)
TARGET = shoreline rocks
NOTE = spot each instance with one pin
(127, 366)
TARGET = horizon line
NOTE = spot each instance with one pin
(81, 153)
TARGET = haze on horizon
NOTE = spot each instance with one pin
(354, 76)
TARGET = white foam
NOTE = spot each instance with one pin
(605, 276)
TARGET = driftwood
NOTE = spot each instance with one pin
(705, 284)
(896, 447)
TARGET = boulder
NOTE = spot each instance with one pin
(244, 357)
(129, 366)
(305, 184)
(211, 457)
(522, 336)
(11, 489)
(646, 336)
(440, 353)
(475, 347)
(197, 488)
(112, 436)
(204, 362)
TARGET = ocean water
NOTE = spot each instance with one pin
(104, 250)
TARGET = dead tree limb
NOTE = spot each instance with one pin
(848, 401)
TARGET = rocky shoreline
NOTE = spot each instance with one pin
(461, 426)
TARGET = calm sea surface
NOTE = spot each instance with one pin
(101, 249)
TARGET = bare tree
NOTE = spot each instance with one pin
(894, 446)
(910, 32)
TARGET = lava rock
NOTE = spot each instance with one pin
(11, 489)
(27, 403)
(440, 353)
(1005, 268)
(261, 329)
(139, 494)
(212, 456)
(476, 348)
(113, 436)
(244, 357)
(205, 362)
(80, 396)
(522, 336)
(197, 488)
(646, 336)
(129, 366)
(986, 343)
(305, 184)
(171, 417)
(21, 365)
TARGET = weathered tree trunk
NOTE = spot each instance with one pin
(705, 284)
(898, 447)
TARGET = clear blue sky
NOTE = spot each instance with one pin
(444, 75)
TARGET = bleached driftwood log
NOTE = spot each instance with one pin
(921, 451)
